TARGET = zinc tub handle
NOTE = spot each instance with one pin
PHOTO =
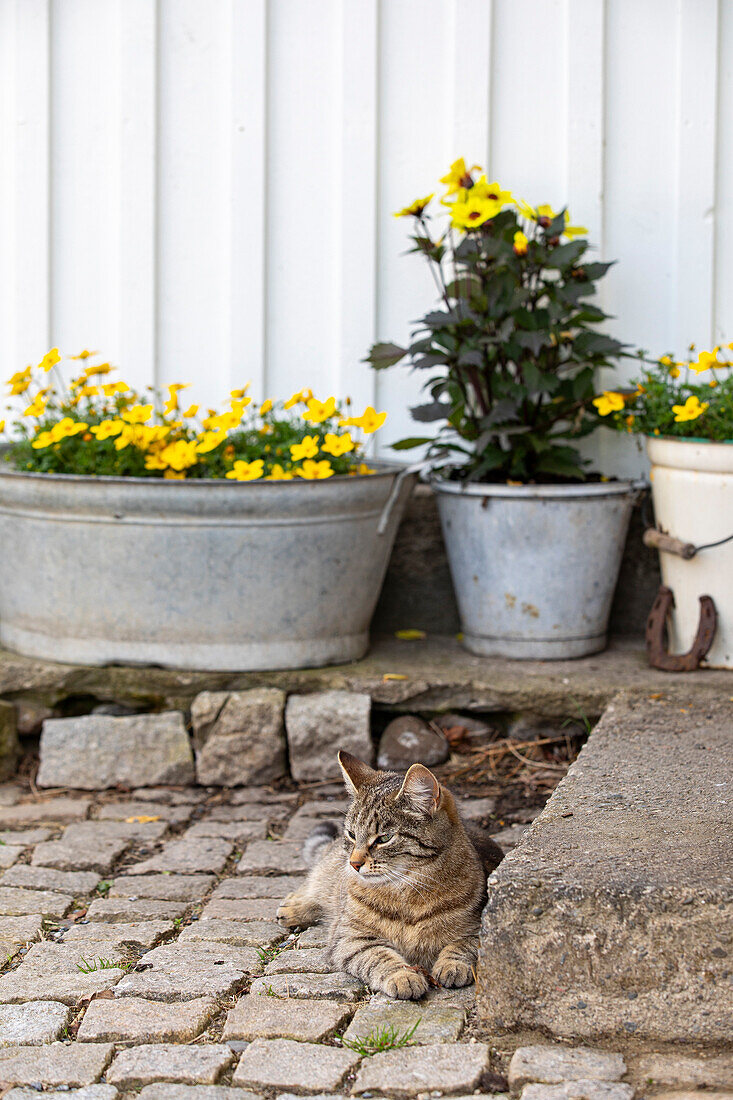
(659, 541)
(395, 493)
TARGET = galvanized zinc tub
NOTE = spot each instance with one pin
(534, 566)
(195, 574)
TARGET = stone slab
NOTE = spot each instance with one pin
(140, 750)
(140, 808)
(138, 934)
(444, 1067)
(163, 887)
(33, 1023)
(51, 971)
(135, 910)
(133, 1019)
(24, 837)
(15, 902)
(330, 987)
(681, 1071)
(187, 1065)
(239, 737)
(53, 811)
(80, 855)
(187, 857)
(247, 812)
(88, 1092)
(276, 856)
(258, 886)
(73, 1065)
(432, 1023)
(308, 960)
(244, 909)
(186, 971)
(609, 918)
(16, 932)
(47, 878)
(130, 829)
(162, 1091)
(306, 1021)
(9, 855)
(238, 832)
(579, 1090)
(315, 936)
(257, 933)
(551, 1065)
(319, 724)
(284, 1064)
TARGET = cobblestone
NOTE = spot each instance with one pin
(432, 1023)
(161, 1091)
(151, 1063)
(246, 909)
(257, 933)
(165, 887)
(185, 971)
(579, 1090)
(55, 811)
(308, 960)
(133, 1019)
(236, 831)
(80, 855)
(450, 1067)
(50, 971)
(279, 856)
(15, 932)
(9, 855)
(47, 878)
(284, 1064)
(682, 1071)
(129, 910)
(141, 934)
(258, 886)
(332, 987)
(15, 902)
(187, 857)
(121, 811)
(551, 1065)
(256, 1017)
(87, 1092)
(54, 1064)
(24, 837)
(315, 936)
(33, 1023)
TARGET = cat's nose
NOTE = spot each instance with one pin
(358, 859)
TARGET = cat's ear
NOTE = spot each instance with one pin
(421, 789)
(355, 772)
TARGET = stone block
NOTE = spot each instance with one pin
(9, 744)
(410, 740)
(258, 886)
(135, 910)
(79, 855)
(329, 987)
(550, 1065)
(88, 1092)
(432, 1023)
(186, 971)
(244, 909)
(24, 837)
(164, 887)
(52, 1065)
(444, 1067)
(52, 811)
(308, 960)
(76, 883)
(96, 751)
(274, 856)
(137, 934)
(187, 857)
(256, 933)
(32, 1024)
(162, 1091)
(186, 1065)
(682, 1071)
(61, 972)
(237, 831)
(284, 1064)
(320, 724)
(134, 1020)
(16, 932)
(9, 855)
(579, 1090)
(306, 1021)
(142, 808)
(20, 903)
(239, 737)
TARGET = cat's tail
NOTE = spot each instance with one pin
(323, 834)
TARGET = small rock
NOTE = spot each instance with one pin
(409, 740)
(73, 1065)
(32, 1024)
(508, 838)
(320, 724)
(465, 731)
(306, 1021)
(132, 1019)
(449, 1067)
(239, 736)
(142, 750)
(550, 1065)
(579, 1090)
(29, 718)
(149, 1063)
(163, 887)
(284, 1064)
(475, 809)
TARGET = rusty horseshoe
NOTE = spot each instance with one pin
(655, 634)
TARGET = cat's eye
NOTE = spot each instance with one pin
(384, 838)
(350, 836)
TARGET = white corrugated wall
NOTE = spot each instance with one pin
(203, 189)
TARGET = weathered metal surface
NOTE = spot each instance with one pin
(196, 574)
(656, 629)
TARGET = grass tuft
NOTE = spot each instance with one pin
(380, 1039)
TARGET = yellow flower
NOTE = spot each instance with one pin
(712, 385)
(138, 414)
(573, 230)
(174, 475)
(237, 395)
(458, 177)
(154, 461)
(20, 376)
(2, 425)
(50, 359)
(318, 411)
(521, 243)
(222, 422)
(107, 429)
(247, 471)
(706, 360)
(609, 402)
(297, 398)
(277, 473)
(19, 387)
(238, 407)
(84, 354)
(111, 388)
(43, 439)
(369, 421)
(36, 408)
(415, 208)
(362, 468)
(67, 427)
(307, 449)
(490, 192)
(208, 441)
(190, 411)
(88, 391)
(314, 471)
(180, 455)
(526, 210)
(265, 407)
(139, 435)
(337, 445)
(691, 409)
(473, 211)
(103, 368)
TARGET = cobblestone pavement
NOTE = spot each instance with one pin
(142, 953)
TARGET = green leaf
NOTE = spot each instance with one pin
(436, 410)
(566, 254)
(384, 355)
(412, 441)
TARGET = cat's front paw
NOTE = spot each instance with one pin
(293, 912)
(405, 984)
(452, 973)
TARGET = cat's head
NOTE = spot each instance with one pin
(397, 824)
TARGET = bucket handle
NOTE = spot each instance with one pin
(407, 471)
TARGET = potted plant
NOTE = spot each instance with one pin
(685, 412)
(510, 355)
(136, 530)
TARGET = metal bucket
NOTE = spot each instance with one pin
(534, 567)
(195, 574)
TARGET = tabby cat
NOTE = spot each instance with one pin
(402, 889)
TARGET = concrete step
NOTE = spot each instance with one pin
(613, 918)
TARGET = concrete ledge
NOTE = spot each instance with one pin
(437, 674)
(614, 916)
